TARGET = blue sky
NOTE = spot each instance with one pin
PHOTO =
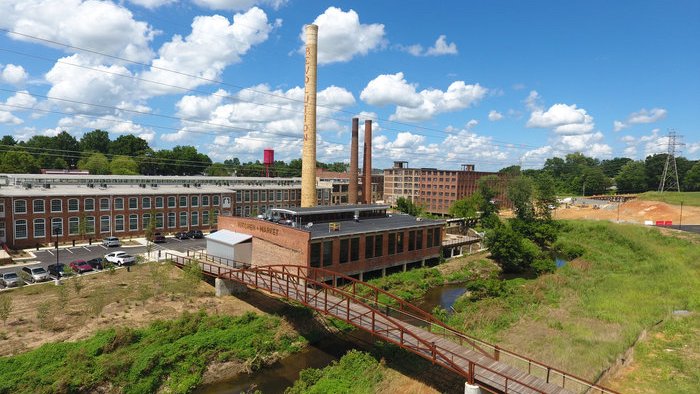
(447, 83)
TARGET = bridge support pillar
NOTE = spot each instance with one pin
(383, 272)
(362, 276)
(422, 263)
(224, 287)
(404, 267)
(471, 389)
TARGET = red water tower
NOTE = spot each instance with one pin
(268, 160)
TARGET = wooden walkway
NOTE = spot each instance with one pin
(350, 302)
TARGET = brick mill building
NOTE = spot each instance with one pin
(37, 209)
(351, 239)
(433, 189)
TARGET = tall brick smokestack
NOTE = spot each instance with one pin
(308, 156)
(367, 165)
(354, 178)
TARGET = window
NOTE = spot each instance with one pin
(263, 195)
(246, 196)
(355, 249)
(183, 201)
(344, 250)
(419, 239)
(215, 218)
(239, 196)
(171, 220)
(146, 203)
(119, 223)
(411, 240)
(90, 225)
(215, 200)
(255, 196)
(183, 219)
(89, 204)
(195, 218)
(378, 245)
(38, 206)
(21, 207)
(39, 228)
(146, 220)
(171, 202)
(119, 203)
(430, 238)
(73, 205)
(20, 229)
(369, 246)
(392, 244)
(436, 237)
(205, 218)
(133, 222)
(205, 201)
(56, 205)
(159, 202)
(315, 254)
(239, 210)
(57, 227)
(133, 203)
(159, 220)
(104, 224)
(327, 253)
(104, 204)
(73, 225)
(194, 201)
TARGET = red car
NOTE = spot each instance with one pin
(80, 266)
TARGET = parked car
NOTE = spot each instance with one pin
(195, 234)
(111, 241)
(10, 279)
(158, 238)
(58, 270)
(36, 274)
(181, 235)
(120, 258)
(80, 266)
(97, 263)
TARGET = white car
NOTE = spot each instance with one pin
(111, 241)
(120, 258)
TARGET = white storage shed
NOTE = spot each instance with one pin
(230, 245)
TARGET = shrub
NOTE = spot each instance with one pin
(544, 265)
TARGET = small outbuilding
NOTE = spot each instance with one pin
(230, 245)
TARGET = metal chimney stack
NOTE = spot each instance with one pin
(354, 178)
(308, 157)
(367, 165)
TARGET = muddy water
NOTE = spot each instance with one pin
(443, 296)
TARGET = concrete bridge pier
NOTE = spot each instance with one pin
(225, 287)
(471, 388)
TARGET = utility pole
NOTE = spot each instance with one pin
(680, 221)
(669, 178)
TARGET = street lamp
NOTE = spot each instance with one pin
(56, 231)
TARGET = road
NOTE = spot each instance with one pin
(45, 257)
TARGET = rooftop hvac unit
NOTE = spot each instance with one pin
(103, 185)
(142, 185)
(91, 185)
(186, 185)
(47, 186)
(154, 185)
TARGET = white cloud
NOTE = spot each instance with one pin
(471, 124)
(213, 44)
(533, 101)
(591, 144)
(234, 5)
(563, 119)
(389, 89)
(441, 47)
(341, 36)
(98, 25)
(457, 96)
(495, 116)
(18, 102)
(6, 117)
(643, 116)
(151, 4)
(13, 74)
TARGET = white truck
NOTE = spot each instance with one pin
(120, 258)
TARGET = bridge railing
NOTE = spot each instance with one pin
(375, 298)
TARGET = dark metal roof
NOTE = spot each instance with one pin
(330, 208)
(350, 227)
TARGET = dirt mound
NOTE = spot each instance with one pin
(633, 211)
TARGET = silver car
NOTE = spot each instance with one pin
(111, 241)
(9, 279)
(36, 274)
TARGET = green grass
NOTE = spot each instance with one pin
(168, 356)
(673, 198)
(590, 311)
(355, 373)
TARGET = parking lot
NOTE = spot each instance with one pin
(46, 257)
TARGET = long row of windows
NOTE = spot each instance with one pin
(121, 223)
(56, 204)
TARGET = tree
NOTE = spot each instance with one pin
(217, 169)
(68, 146)
(122, 165)
(128, 145)
(545, 196)
(95, 141)
(514, 252)
(612, 167)
(691, 182)
(468, 207)
(510, 170)
(595, 181)
(8, 140)
(520, 190)
(19, 162)
(96, 163)
(654, 168)
(632, 178)
(407, 206)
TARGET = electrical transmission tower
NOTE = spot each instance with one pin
(669, 179)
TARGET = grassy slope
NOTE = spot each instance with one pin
(673, 198)
(581, 317)
(169, 354)
(356, 372)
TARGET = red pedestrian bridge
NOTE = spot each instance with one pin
(394, 320)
